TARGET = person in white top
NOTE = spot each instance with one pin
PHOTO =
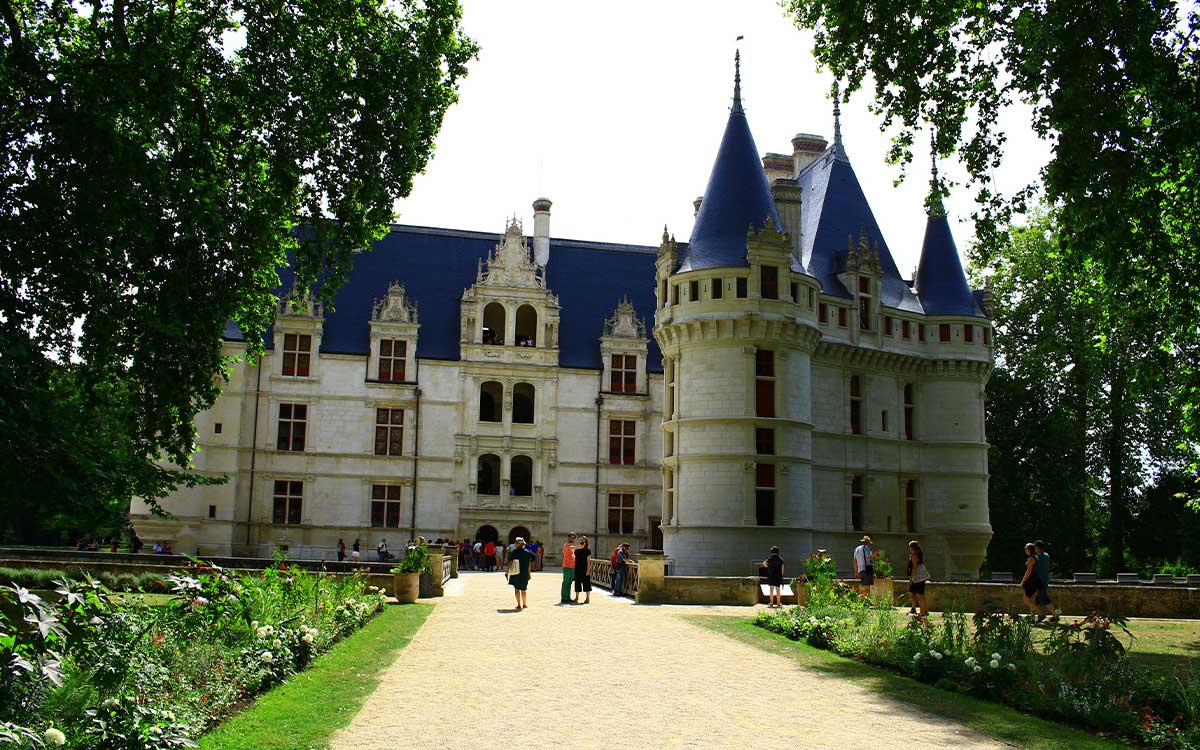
(864, 569)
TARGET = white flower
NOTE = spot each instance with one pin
(970, 662)
(254, 625)
(917, 656)
(276, 643)
(307, 638)
(169, 716)
(261, 632)
(977, 668)
(994, 664)
(937, 655)
(266, 657)
(54, 737)
(996, 657)
(1012, 667)
(110, 703)
(156, 730)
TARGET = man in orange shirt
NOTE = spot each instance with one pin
(568, 563)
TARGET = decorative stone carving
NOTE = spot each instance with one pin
(394, 307)
(299, 304)
(624, 322)
(511, 264)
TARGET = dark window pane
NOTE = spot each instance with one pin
(294, 510)
(764, 441)
(764, 398)
(377, 514)
(741, 287)
(393, 515)
(769, 282)
(842, 317)
(764, 507)
(279, 513)
(396, 444)
(822, 313)
(281, 487)
(289, 342)
(614, 521)
(764, 363)
(299, 411)
(944, 332)
(285, 411)
(717, 288)
(764, 475)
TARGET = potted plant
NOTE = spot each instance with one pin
(407, 574)
(882, 588)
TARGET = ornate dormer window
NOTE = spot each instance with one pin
(863, 275)
(299, 322)
(623, 348)
(769, 253)
(394, 328)
(508, 314)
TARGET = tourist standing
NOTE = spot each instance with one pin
(1029, 582)
(381, 550)
(918, 575)
(356, 551)
(619, 569)
(774, 566)
(583, 581)
(1043, 574)
(519, 579)
(489, 555)
(568, 567)
(532, 548)
(341, 550)
(864, 570)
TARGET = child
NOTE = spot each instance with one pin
(774, 566)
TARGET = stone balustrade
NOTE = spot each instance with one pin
(601, 573)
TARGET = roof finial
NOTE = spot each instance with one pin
(839, 151)
(737, 80)
(933, 204)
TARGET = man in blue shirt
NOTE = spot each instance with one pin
(1043, 574)
(619, 572)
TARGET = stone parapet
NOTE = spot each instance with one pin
(1074, 599)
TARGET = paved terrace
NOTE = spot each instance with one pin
(615, 675)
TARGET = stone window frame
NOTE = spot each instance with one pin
(390, 358)
(625, 441)
(289, 492)
(387, 495)
(389, 427)
(286, 427)
(858, 494)
(631, 509)
(766, 485)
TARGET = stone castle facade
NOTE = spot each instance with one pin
(774, 380)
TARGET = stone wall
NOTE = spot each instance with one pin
(1074, 599)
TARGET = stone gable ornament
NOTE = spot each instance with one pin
(511, 264)
(394, 307)
(624, 322)
(299, 304)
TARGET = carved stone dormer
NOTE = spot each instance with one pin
(769, 248)
(623, 348)
(862, 277)
(508, 314)
(299, 324)
(394, 330)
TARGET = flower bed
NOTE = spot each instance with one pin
(1079, 673)
(88, 671)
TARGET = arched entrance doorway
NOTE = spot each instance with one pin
(487, 534)
(519, 531)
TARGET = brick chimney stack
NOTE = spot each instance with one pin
(806, 147)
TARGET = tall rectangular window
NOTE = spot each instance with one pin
(764, 441)
(741, 287)
(662, 298)
(293, 423)
(969, 334)
(812, 298)
(675, 295)
(944, 332)
(856, 503)
(905, 329)
(621, 441)
(987, 336)
(883, 421)
(768, 279)
(389, 432)
(823, 313)
(764, 494)
(764, 383)
(693, 291)
(718, 289)
(624, 373)
(864, 313)
(297, 349)
(392, 353)
(385, 506)
(909, 407)
(795, 292)
(669, 500)
(920, 332)
(842, 317)
(669, 406)
(910, 505)
(620, 513)
(289, 503)
(856, 404)
(887, 325)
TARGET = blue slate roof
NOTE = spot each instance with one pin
(833, 208)
(737, 197)
(941, 283)
(437, 265)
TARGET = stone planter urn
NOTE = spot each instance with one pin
(407, 586)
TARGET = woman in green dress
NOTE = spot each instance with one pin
(519, 580)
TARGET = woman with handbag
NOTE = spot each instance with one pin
(518, 573)
(918, 576)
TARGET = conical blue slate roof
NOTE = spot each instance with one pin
(833, 209)
(737, 198)
(941, 283)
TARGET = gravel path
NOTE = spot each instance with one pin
(614, 675)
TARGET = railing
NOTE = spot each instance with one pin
(447, 564)
(601, 573)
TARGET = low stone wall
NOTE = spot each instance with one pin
(707, 590)
(1072, 599)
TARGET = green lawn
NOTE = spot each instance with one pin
(304, 713)
(991, 719)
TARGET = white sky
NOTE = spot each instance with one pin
(614, 111)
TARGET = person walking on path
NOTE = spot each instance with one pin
(774, 566)
(356, 551)
(918, 575)
(1043, 574)
(568, 568)
(1029, 582)
(341, 550)
(622, 562)
(864, 571)
(583, 581)
(519, 579)
(381, 550)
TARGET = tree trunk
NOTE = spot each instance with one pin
(1115, 455)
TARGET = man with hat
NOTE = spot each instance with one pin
(864, 570)
(622, 558)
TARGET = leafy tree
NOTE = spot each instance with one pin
(159, 156)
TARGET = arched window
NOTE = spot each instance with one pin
(491, 400)
(526, 326)
(493, 323)
(523, 402)
(487, 479)
(521, 478)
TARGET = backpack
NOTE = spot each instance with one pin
(616, 557)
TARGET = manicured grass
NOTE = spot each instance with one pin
(1167, 646)
(985, 717)
(305, 712)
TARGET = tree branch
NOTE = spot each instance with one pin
(10, 18)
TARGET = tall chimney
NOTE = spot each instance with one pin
(541, 231)
(806, 147)
(777, 166)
